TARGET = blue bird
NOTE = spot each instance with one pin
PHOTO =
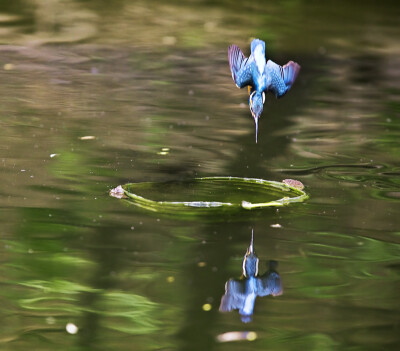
(240, 294)
(260, 75)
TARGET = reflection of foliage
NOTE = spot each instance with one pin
(130, 313)
(47, 280)
(322, 280)
(127, 313)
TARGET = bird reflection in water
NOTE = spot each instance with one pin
(240, 294)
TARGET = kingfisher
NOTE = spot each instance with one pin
(241, 293)
(260, 76)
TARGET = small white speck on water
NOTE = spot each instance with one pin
(210, 26)
(8, 67)
(50, 320)
(71, 328)
(169, 40)
(277, 225)
(132, 228)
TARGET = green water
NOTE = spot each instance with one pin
(138, 77)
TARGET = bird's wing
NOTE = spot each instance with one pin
(269, 284)
(240, 67)
(281, 78)
(234, 296)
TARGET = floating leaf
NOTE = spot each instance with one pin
(210, 194)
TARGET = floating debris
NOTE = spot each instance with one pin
(8, 67)
(276, 225)
(169, 40)
(164, 151)
(50, 320)
(237, 336)
(170, 279)
(293, 183)
(118, 192)
(88, 137)
(53, 155)
(291, 195)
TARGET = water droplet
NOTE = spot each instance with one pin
(251, 336)
(71, 328)
(207, 307)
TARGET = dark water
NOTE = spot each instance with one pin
(149, 83)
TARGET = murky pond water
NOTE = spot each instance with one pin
(95, 94)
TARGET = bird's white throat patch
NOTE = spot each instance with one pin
(259, 57)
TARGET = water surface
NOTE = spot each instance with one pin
(97, 94)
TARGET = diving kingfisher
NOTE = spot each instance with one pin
(260, 75)
(241, 293)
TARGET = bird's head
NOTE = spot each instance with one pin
(256, 103)
(250, 262)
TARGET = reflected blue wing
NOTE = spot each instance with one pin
(269, 284)
(234, 297)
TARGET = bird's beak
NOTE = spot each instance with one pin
(256, 122)
(251, 247)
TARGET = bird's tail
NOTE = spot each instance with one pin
(236, 60)
(290, 72)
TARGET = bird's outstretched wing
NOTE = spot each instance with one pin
(289, 73)
(281, 78)
(234, 296)
(240, 67)
(270, 283)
